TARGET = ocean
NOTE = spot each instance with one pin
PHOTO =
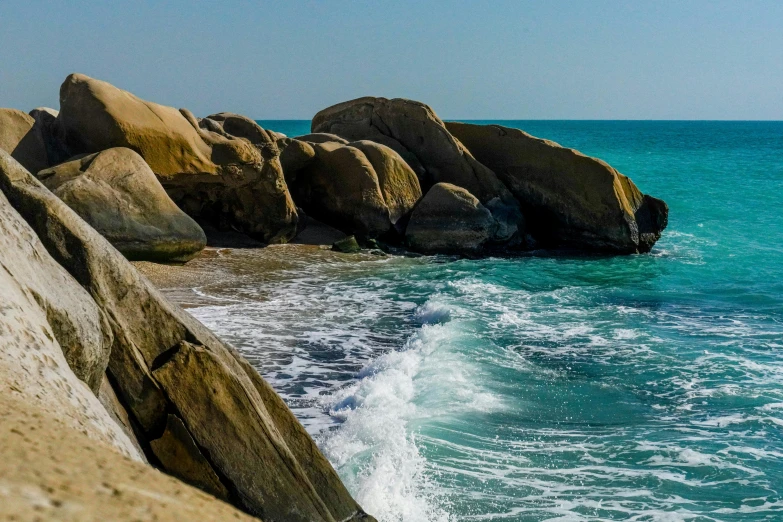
(646, 387)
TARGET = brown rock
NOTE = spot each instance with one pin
(18, 138)
(449, 220)
(117, 193)
(569, 199)
(399, 184)
(340, 188)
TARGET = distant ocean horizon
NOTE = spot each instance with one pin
(643, 387)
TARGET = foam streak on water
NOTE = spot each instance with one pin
(637, 388)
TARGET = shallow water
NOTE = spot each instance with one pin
(647, 387)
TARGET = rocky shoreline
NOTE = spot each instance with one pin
(94, 355)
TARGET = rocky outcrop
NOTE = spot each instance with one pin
(165, 363)
(415, 132)
(449, 220)
(18, 138)
(120, 197)
(55, 340)
(569, 199)
(211, 175)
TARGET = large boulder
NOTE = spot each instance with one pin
(569, 199)
(212, 175)
(415, 132)
(340, 187)
(165, 363)
(399, 185)
(116, 192)
(55, 340)
(18, 138)
(449, 220)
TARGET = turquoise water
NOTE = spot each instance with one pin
(647, 387)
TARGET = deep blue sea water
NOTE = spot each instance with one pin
(647, 387)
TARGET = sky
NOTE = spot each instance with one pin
(491, 59)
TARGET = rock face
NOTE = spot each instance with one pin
(163, 362)
(449, 220)
(48, 128)
(414, 131)
(569, 199)
(212, 175)
(120, 197)
(55, 341)
(18, 138)
(51, 471)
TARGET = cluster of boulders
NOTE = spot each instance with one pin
(147, 176)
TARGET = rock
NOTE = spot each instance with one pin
(78, 326)
(398, 183)
(18, 138)
(415, 132)
(120, 197)
(347, 245)
(340, 188)
(449, 220)
(51, 471)
(164, 362)
(570, 200)
(322, 137)
(294, 156)
(212, 176)
(53, 342)
(48, 128)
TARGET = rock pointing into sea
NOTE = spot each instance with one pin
(569, 199)
(116, 192)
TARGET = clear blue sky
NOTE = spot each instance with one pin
(598, 59)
